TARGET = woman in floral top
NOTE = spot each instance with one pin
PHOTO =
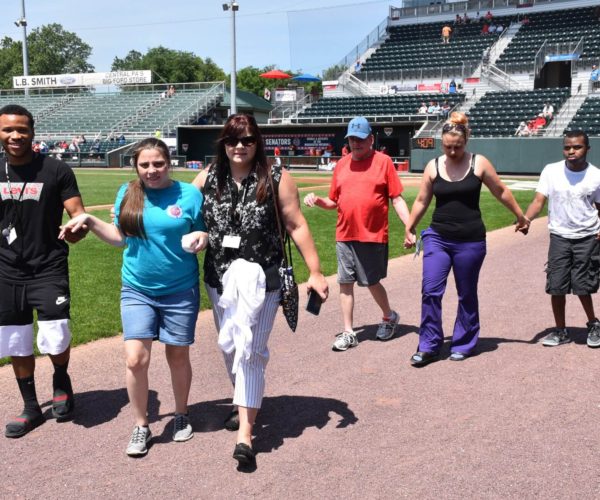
(240, 217)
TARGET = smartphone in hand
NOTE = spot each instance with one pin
(313, 305)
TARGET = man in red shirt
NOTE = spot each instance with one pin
(363, 183)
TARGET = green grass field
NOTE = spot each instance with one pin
(95, 266)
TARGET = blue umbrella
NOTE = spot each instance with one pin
(306, 78)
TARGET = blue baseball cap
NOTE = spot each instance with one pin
(359, 127)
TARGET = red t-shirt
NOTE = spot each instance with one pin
(362, 190)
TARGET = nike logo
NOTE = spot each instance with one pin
(61, 300)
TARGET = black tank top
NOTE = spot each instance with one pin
(457, 215)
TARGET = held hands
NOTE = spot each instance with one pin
(75, 229)
(194, 242)
(410, 238)
(310, 200)
(318, 283)
(522, 224)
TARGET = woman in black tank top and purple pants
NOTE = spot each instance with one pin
(455, 239)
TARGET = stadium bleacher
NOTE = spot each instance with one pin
(498, 114)
(587, 116)
(555, 27)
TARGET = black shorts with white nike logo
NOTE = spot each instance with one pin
(50, 298)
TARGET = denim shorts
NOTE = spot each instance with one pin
(168, 318)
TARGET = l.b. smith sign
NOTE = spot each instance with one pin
(83, 79)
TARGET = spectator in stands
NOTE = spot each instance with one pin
(492, 28)
(499, 29)
(43, 147)
(82, 139)
(433, 108)
(422, 109)
(122, 140)
(363, 183)
(156, 219)
(572, 188)
(485, 29)
(489, 16)
(466, 19)
(241, 166)
(458, 20)
(95, 148)
(452, 87)
(594, 76)
(445, 109)
(548, 111)
(171, 91)
(525, 21)
(446, 32)
(455, 240)
(357, 66)
(34, 268)
(36, 147)
(538, 122)
(74, 146)
(479, 17)
(522, 130)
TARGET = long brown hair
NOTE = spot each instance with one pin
(131, 212)
(235, 126)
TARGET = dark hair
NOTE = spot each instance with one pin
(578, 133)
(131, 212)
(15, 109)
(235, 126)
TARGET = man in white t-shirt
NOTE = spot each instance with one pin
(572, 188)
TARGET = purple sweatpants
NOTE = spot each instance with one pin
(465, 259)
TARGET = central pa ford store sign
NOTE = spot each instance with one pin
(83, 79)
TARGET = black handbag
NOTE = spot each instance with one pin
(289, 288)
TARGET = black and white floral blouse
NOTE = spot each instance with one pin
(238, 213)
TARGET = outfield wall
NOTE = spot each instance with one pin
(511, 155)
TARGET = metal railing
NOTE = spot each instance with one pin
(397, 13)
(501, 78)
(286, 110)
(373, 38)
(461, 71)
(570, 49)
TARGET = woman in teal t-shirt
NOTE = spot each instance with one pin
(159, 221)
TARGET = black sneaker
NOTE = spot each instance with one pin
(593, 339)
(557, 337)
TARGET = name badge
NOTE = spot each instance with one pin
(230, 241)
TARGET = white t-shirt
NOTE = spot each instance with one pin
(571, 199)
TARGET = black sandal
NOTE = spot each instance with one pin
(421, 358)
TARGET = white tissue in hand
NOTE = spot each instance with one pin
(188, 242)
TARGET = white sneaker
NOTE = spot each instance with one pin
(345, 340)
(138, 444)
(387, 328)
(182, 429)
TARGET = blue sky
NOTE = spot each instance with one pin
(308, 35)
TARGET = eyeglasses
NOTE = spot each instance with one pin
(576, 147)
(459, 127)
(247, 141)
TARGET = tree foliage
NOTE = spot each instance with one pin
(334, 72)
(51, 51)
(171, 66)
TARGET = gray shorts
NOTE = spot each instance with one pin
(573, 266)
(362, 263)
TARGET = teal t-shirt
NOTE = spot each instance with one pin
(158, 265)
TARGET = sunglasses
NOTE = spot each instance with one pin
(458, 127)
(234, 141)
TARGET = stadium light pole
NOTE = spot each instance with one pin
(23, 23)
(234, 7)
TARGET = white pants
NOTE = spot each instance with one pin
(249, 380)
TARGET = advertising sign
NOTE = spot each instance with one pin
(83, 79)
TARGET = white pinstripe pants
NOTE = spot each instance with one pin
(249, 380)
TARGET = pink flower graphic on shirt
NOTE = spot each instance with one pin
(174, 211)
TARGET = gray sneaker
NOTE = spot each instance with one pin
(182, 429)
(138, 444)
(557, 337)
(345, 340)
(593, 339)
(387, 328)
